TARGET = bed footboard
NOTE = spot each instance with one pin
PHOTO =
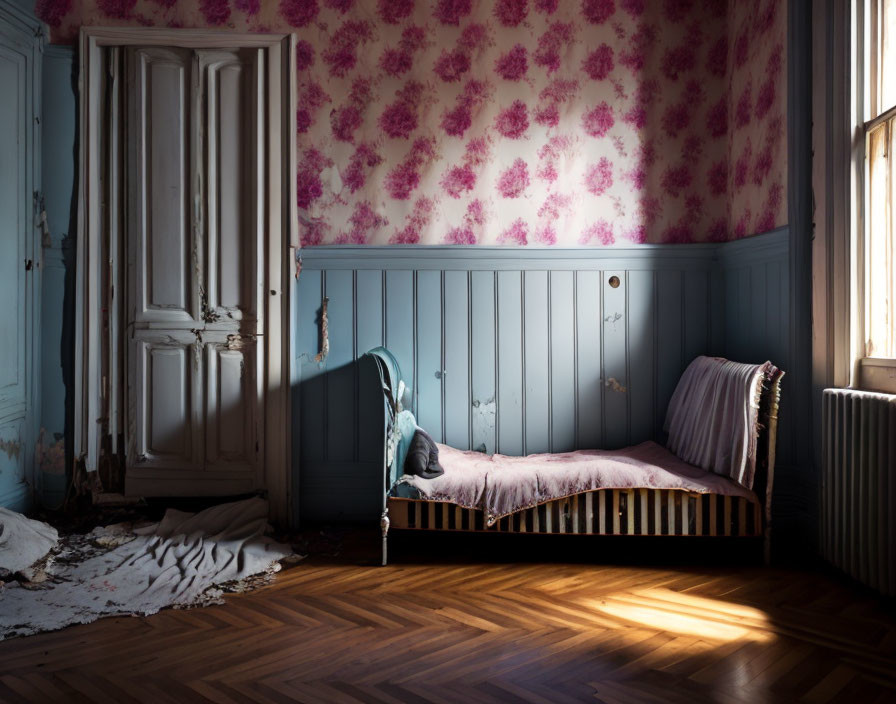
(600, 512)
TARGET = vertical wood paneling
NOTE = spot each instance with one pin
(563, 362)
(540, 351)
(368, 334)
(588, 345)
(537, 411)
(341, 398)
(308, 300)
(733, 299)
(400, 320)
(716, 295)
(669, 339)
(615, 381)
(482, 358)
(369, 302)
(758, 315)
(697, 315)
(510, 362)
(642, 351)
(457, 359)
(429, 352)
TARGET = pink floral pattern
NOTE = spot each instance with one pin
(521, 122)
(513, 65)
(514, 180)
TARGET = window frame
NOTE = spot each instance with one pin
(870, 373)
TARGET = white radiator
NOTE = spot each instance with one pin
(858, 489)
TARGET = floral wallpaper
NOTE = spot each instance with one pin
(519, 122)
(757, 139)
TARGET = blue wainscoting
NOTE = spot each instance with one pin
(515, 350)
(758, 325)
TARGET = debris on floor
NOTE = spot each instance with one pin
(25, 546)
(139, 567)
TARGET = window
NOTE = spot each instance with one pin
(878, 305)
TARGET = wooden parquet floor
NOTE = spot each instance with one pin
(425, 630)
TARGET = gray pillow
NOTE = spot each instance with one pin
(423, 457)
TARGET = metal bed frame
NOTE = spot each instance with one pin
(653, 512)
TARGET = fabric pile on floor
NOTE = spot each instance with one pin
(184, 560)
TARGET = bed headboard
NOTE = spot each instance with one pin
(395, 399)
(763, 481)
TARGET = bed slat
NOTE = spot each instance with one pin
(675, 512)
(615, 512)
(643, 493)
(670, 501)
(727, 515)
(589, 512)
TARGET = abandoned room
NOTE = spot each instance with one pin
(448, 351)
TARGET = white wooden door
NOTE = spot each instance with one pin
(194, 246)
(18, 265)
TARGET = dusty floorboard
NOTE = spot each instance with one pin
(443, 624)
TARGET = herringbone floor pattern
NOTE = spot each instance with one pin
(330, 631)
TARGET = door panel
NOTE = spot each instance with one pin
(231, 437)
(233, 214)
(167, 383)
(14, 200)
(163, 237)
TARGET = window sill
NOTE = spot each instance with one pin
(877, 374)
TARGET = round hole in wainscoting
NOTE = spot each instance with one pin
(614, 282)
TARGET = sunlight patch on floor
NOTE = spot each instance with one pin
(674, 612)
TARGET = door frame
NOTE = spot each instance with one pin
(92, 411)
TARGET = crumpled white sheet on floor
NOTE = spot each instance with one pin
(170, 563)
(23, 542)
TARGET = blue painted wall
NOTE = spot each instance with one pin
(758, 309)
(58, 129)
(516, 351)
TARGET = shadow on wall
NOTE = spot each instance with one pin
(339, 444)
(69, 253)
(60, 157)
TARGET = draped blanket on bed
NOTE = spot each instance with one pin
(713, 417)
(502, 485)
(712, 422)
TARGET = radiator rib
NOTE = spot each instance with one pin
(858, 489)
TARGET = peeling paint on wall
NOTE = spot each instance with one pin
(49, 452)
(484, 413)
(614, 318)
(614, 385)
(12, 448)
(324, 333)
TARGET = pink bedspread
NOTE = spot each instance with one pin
(501, 485)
